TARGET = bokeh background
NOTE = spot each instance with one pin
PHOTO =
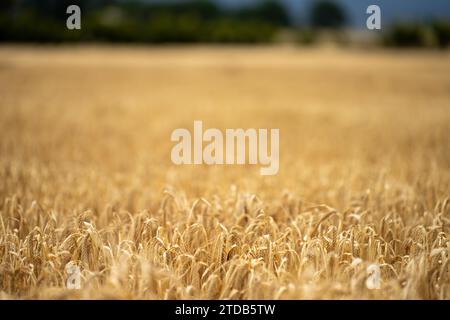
(405, 23)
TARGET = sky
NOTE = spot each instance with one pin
(391, 10)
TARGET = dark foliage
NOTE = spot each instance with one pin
(327, 14)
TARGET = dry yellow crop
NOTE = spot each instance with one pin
(86, 175)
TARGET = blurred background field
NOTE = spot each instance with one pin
(404, 23)
(338, 111)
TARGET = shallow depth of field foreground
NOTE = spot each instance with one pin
(86, 175)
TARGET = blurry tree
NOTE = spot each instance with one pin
(441, 30)
(327, 14)
(235, 31)
(407, 35)
(6, 5)
(56, 9)
(268, 11)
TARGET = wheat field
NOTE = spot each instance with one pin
(86, 175)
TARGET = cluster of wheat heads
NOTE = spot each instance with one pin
(233, 248)
(86, 177)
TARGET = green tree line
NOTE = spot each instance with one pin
(190, 22)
